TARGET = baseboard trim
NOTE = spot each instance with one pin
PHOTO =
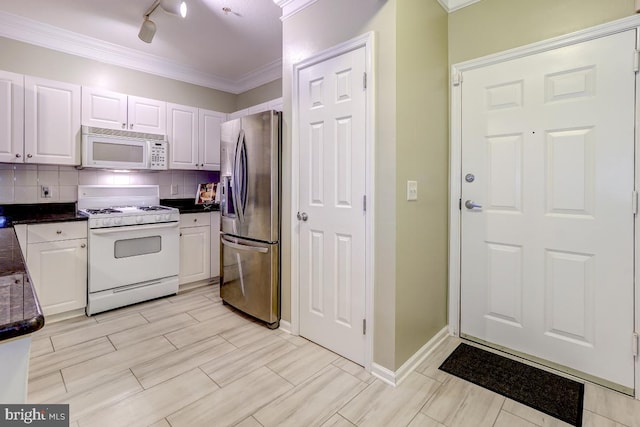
(285, 326)
(395, 378)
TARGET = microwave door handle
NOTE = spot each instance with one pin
(148, 153)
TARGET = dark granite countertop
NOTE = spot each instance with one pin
(20, 312)
(189, 205)
(38, 213)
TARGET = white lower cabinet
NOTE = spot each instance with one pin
(57, 263)
(195, 247)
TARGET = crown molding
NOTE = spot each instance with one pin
(453, 5)
(44, 35)
(291, 7)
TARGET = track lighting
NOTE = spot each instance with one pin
(148, 28)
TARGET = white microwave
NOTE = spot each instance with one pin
(121, 149)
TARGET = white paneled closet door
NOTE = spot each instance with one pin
(332, 109)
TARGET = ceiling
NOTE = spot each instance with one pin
(232, 51)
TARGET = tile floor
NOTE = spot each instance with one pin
(188, 360)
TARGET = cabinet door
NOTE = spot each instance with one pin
(11, 117)
(59, 273)
(147, 115)
(52, 122)
(182, 132)
(103, 108)
(209, 134)
(215, 244)
(195, 254)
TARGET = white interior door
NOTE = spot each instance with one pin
(547, 260)
(332, 106)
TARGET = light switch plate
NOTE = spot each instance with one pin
(174, 189)
(412, 190)
(44, 192)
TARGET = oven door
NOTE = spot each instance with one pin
(121, 256)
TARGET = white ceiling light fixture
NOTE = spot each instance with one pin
(148, 28)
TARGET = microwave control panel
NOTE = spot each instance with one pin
(159, 155)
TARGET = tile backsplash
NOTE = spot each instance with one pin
(21, 183)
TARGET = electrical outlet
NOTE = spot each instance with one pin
(174, 189)
(44, 192)
(412, 190)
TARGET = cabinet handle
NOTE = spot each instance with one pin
(124, 126)
(131, 126)
(18, 155)
(29, 156)
(59, 232)
(180, 234)
(83, 246)
(195, 219)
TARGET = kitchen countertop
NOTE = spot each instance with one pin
(189, 205)
(38, 213)
(20, 312)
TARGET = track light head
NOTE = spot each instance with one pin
(147, 30)
(176, 7)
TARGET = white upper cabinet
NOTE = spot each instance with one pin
(209, 134)
(147, 115)
(194, 137)
(112, 110)
(51, 122)
(182, 133)
(11, 117)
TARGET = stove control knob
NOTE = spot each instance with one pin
(117, 220)
(107, 222)
(158, 218)
(139, 219)
(167, 217)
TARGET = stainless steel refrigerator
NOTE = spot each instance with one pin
(250, 215)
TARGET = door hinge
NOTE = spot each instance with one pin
(364, 203)
(636, 61)
(364, 80)
(456, 78)
(459, 204)
(634, 202)
(364, 326)
(635, 343)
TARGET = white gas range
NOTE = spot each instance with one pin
(134, 245)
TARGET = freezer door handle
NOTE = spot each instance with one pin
(244, 247)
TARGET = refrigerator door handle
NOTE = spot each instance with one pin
(236, 181)
(244, 247)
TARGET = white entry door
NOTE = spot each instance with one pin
(331, 109)
(547, 254)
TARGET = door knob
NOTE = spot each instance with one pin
(302, 216)
(470, 204)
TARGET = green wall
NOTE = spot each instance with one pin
(422, 155)
(260, 94)
(491, 26)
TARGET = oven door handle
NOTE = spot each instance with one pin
(127, 228)
(244, 247)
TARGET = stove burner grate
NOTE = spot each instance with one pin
(102, 211)
(153, 208)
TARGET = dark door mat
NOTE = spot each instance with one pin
(543, 391)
